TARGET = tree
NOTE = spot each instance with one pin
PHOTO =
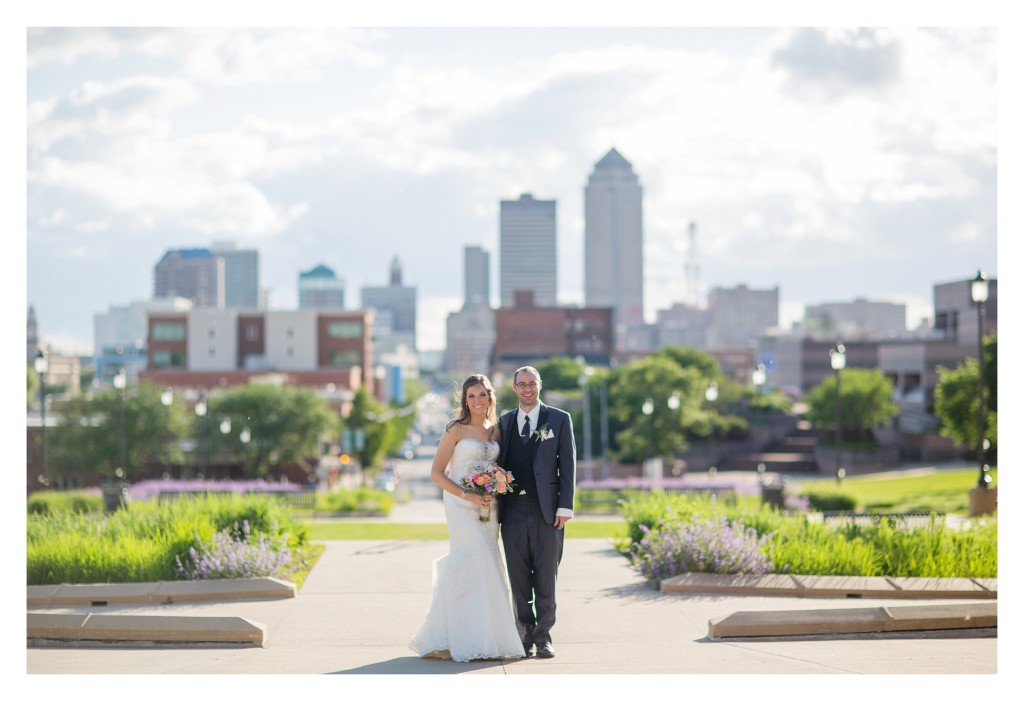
(87, 437)
(666, 431)
(560, 373)
(703, 362)
(382, 430)
(956, 398)
(865, 401)
(285, 426)
(31, 386)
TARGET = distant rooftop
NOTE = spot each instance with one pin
(191, 253)
(318, 271)
(613, 159)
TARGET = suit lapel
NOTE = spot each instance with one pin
(542, 419)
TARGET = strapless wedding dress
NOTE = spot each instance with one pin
(470, 616)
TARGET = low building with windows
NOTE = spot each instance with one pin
(215, 347)
(527, 333)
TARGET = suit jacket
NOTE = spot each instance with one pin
(554, 459)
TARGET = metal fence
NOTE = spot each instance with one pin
(609, 499)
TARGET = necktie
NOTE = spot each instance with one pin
(526, 428)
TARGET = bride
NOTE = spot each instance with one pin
(470, 616)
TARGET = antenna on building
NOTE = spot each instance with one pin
(691, 270)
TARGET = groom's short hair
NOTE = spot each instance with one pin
(528, 369)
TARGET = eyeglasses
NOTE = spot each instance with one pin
(531, 384)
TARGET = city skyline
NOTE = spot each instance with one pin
(828, 163)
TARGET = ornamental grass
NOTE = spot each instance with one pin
(144, 541)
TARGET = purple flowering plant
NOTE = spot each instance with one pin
(235, 553)
(713, 545)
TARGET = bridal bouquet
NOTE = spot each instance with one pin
(485, 477)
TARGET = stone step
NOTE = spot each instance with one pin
(831, 586)
(131, 629)
(102, 594)
(885, 619)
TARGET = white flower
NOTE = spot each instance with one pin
(543, 434)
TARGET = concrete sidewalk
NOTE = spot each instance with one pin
(364, 600)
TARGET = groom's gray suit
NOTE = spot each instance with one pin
(544, 469)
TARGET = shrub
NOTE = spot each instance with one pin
(355, 501)
(70, 501)
(704, 545)
(234, 553)
(831, 501)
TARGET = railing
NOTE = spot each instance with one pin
(870, 518)
(305, 499)
(609, 499)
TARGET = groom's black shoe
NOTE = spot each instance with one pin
(529, 650)
(546, 650)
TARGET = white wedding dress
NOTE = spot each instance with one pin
(470, 616)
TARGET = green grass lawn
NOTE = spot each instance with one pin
(323, 531)
(938, 492)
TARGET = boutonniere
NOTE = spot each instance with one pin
(543, 434)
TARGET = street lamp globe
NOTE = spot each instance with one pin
(759, 376)
(979, 288)
(648, 406)
(167, 397)
(673, 401)
(838, 357)
(711, 393)
(201, 408)
(41, 364)
(225, 425)
(245, 436)
(120, 380)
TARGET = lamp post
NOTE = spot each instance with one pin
(42, 365)
(648, 410)
(201, 410)
(588, 453)
(604, 429)
(979, 295)
(711, 395)
(758, 377)
(120, 383)
(838, 361)
(166, 400)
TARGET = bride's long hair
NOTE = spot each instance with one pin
(463, 416)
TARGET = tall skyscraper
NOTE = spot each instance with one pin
(194, 273)
(528, 255)
(614, 242)
(396, 313)
(470, 331)
(242, 289)
(319, 288)
(477, 276)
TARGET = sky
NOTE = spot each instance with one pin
(832, 163)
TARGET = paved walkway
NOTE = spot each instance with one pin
(364, 600)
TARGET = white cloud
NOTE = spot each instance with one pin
(248, 131)
(65, 45)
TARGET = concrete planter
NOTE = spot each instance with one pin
(982, 500)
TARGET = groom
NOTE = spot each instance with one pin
(538, 448)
